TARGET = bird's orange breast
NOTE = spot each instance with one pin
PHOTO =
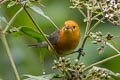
(67, 42)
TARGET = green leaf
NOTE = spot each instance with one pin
(30, 32)
(43, 77)
(3, 19)
(110, 45)
(40, 11)
(114, 44)
(85, 20)
(17, 34)
(15, 31)
(12, 3)
(43, 52)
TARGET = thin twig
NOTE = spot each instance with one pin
(86, 35)
(11, 20)
(2, 2)
(114, 37)
(39, 29)
(101, 7)
(107, 59)
(96, 24)
(4, 41)
(82, 12)
(94, 17)
(102, 61)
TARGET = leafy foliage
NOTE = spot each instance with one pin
(40, 11)
(12, 3)
(77, 71)
(95, 8)
(43, 77)
(30, 32)
(3, 19)
(106, 40)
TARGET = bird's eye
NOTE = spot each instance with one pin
(73, 27)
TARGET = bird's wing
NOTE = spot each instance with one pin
(42, 44)
(54, 37)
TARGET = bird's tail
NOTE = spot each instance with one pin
(42, 44)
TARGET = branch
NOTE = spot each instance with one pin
(107, 59)
(11, 20)
(4, 41)
(86, 31)
(96, 24)
(39, 29)
(82, 12)
(2, 1)
(110, 45)
(100, 62)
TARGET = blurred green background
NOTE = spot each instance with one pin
(28, 59)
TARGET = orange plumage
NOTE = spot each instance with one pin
(64, 40)
(69, 38)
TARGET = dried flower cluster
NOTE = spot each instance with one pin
(99, 38)
(76, 71)
(70, 72)
(110, 9)
(98, 74)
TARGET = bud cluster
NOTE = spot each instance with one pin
(71, 72)
(98, 74)
(76, 71)
(99, 38)
(109, 9)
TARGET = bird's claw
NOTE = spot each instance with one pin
(80, 51)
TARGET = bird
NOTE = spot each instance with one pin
(63, 40)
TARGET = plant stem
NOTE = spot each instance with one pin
(110, 45)
(96, 24)
(86, 31)
(39, 29)
(2, 1)
(11, 20)
(107, 59)
(4, 41)
(102, 61)
(82, 12)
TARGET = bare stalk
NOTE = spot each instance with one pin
(98, 22)
(4, 41)
(82, 12)
(11, 20)
(107, 59)
(85, 35)
(39, 29)
(2, 2)
(102, 61)
(87, 31)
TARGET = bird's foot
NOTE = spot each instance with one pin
(80, 50)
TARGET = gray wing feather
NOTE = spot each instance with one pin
(42, 44)
(54, 37)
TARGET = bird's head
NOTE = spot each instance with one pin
(70, 26)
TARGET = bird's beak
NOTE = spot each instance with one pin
(67, 28)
